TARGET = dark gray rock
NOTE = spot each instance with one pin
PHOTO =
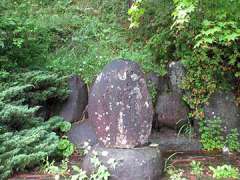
(131, 164)
(164, 83)
(153, 79)
(120, 107)
(130, 2)
(43, 112)
(82, 132)
(223, 105)
(176, 75)
(169, 140)
(171, 109)
(72, 110)
(160, 83)
(196, 127)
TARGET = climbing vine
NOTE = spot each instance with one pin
(203, 35)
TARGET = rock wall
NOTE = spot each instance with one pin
(122, 115)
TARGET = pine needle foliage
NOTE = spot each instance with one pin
(25, 138)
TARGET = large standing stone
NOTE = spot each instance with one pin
(82, 132)
(223, 105)
(119, 107)
(77, 101)
(171, 110)
(176, 75)
(143, 163)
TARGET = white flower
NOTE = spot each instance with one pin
(94, 153)
(104, 153)
(112, 162)
(57, 177)
(85, 144)
(225, 150)
(85, 151)
(89, 148)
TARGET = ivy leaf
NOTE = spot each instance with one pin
(206, 23)
(65, 126)
(231, 37)
(69, 150)
(63, 144)
(237, 74)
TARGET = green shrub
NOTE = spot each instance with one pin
(225, 171)
(197, 168)
(28, 147)
(204, 35)
(232, 140)
(65, 147)
(25, 138)
(211, 134)
(213, 137)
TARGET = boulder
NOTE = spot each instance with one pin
(43, 111)
(82, 132)
(176, 74)
(164, 84)
(160, 83)
(72, 110)
(223, 105)
(153, 79)
(120, 107)
(143, 163)
(169, 140)
(171, 110)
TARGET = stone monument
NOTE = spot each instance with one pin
(120, 111)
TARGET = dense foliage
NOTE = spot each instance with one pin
(204, 35)
(27, 139)
(213, 136)
(68, 36)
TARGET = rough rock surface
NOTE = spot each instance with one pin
(153, 79)
(43, 112)
(171, 110)
(164, 84)
(143, 163)
(169, 140)
(76, 103)
(120, 107)
(82, 132)
(160, 83)
(222, 105)
(176, 75)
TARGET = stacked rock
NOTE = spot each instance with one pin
(171, 110)
(120, 111)
(73, 109)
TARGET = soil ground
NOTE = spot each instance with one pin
(183, 152)
(178, 160)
